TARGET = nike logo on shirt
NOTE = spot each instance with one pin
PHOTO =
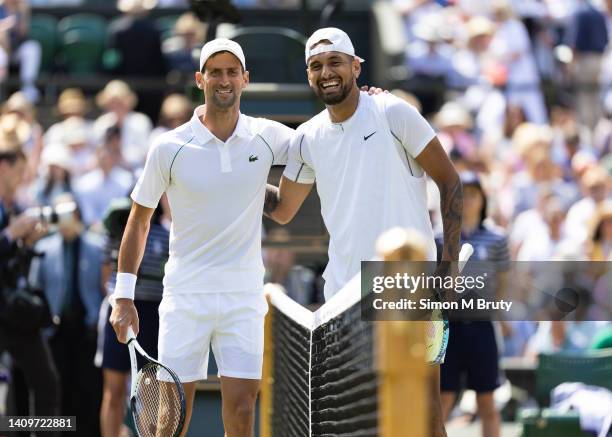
(365, 138)
(253, 158)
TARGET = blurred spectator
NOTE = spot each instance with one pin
(413, 12)
(71, 104)
(148, 295)
(601, 234)
(454, 123)
(476, 339)
(588, 38)
(281, 269)
(533, 144)
(182, 49)
(24, 52)
(56, 178)
(512, 46)
(543, 246)
(497, 141)
(429, 60)
(279, 4)
(24, 116)
(136, 40)
(119, 102)
(96, 189)
(76, 136)
(69, 273)
(175, 111)
(594, 185)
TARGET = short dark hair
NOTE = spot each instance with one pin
(218, 53)
(11, 154)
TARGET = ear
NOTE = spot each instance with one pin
(356, 67)
(199, 80)
(246, 78)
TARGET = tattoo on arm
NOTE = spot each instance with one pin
(271, 201)
(451, 203)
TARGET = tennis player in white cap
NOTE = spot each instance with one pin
(369, 156)
(214, 170)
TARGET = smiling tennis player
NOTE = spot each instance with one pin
(214, 170)
(369, 155)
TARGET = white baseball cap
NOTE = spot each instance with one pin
(340, 42)
(221, 45)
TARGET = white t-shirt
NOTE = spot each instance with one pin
(216, 192)
(367, 178)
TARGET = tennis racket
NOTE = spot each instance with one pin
(436, 330)
(157, 398)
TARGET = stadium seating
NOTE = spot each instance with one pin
(43, 28)
(591, 367)
(275, 54)
(82, 43)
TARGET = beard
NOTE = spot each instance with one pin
(334, 99)
(224, 104)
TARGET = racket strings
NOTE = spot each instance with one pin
(157, 403)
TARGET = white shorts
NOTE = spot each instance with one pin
(232, 322)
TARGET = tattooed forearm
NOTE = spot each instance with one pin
(451, 206)
(271, 201)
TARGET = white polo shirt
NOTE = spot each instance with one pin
(367, 178)
(216, 192)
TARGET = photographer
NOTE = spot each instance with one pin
(24, 342)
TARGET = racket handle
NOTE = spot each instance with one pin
(130, 334)
(464, 254)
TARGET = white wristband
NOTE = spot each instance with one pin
(124, 287)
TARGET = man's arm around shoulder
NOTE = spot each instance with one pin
(283, 203)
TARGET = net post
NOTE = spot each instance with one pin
(404, 378)
(267, 377)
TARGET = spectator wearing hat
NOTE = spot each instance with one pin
(189, 35)
(118, 100)
(76, 137)
(25, 117)
(56, 179)
(24, 52)
(512, 46)
(595, 186)
(455, 123)
(175, 111)
(71, 104)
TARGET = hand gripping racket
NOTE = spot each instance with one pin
(436, 330)
(157, 398)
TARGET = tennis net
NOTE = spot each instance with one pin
(329, 373)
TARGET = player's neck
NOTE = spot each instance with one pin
(345, 109)
(221, 123)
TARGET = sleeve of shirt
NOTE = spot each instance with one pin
(408, 126)
(281, 140)
(298, 169)
(154, 179)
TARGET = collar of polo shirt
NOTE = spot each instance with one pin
(204, 135)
